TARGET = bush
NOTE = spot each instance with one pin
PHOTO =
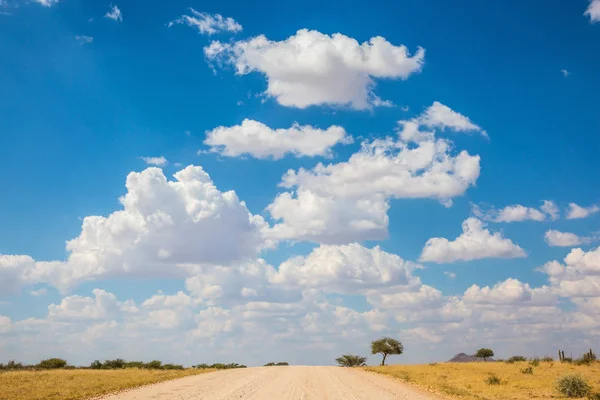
(515, 359)
(282, 364)
(134, 364)
(493, 379)
(351, 360)
(52, 363)
(594, 396)
(153, 365)
(271, 364)
(586, 359)
(172, 366)
(96, 365)
(573, 385)
(433, 364)
(118, 363)
(12, 365)
(527, 371)
(201, 366)
(548, 359)
(534, 361)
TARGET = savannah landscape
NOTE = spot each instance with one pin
(314, 200)
(480, 378)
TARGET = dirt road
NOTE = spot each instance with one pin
(279, 383)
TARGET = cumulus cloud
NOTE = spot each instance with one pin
(347, 269)
(511, 291)
(104, 305)
(441, 116)
(82, 39)
(593, 11)
(312, 68)
(207, 24)
(517, 213)
(578, 277)
(114, 13)
(163, 228)
(474, 243)
(158, 161)
(348, 201)
(577, 212)
(260, 141)
(565, 239)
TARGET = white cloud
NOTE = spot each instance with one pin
(84, 39)
(593, 11)
(565, 72)
(441, 116)
(15, 272)
(511, 291)
(450, 275)
(565, 239)
(312, 68)
(473, 244)
(158, 161)
(208, 24)
(347, 269)
(164, 228)
(576, 212)
(348, 201)
(104, 305)
(260, 141)
(114, 13)
(518, 213)
(47, 3)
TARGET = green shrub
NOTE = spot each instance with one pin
(573, 385)
(433, 364)
(202, 366)
(493, 379)
(271, 364)
(172, 366)
(118, 363)
(548, 359)
(351, 360)
(134, 364)
(527, 371)
(515, 359)
(12, 365)
(96, 365)
(153, 365)
(282, 364)
(586, 359)
(534, 361)
(52, 363)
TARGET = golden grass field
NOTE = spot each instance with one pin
(467, 380)
(80, 384)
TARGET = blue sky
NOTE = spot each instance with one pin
(86, 97)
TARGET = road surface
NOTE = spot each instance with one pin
(279, 383)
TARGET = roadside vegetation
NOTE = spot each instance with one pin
(55, 379)
(516, 378)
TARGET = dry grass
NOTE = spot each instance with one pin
(80, 384)
(467, 380)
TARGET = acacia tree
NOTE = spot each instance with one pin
(386, 346)
(484, 353)
(351, 360)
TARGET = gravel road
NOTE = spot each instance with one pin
(279, 383)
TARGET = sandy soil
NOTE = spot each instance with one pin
(279, 383)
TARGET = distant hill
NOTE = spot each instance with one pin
(462, 357)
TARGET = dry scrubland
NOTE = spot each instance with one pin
(78, 384)
(468, 380)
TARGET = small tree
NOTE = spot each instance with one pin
(386, 346)
(351, 360)
(52, 363)
(484, 353)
